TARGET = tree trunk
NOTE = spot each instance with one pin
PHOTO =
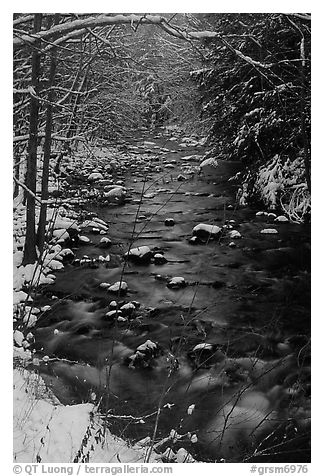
(30, 255)
(47, 149)
(303, 106)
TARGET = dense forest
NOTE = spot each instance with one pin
(162, 206)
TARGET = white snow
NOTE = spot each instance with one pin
(202, 346)
(269, 231)
(84, 239)
(139, 252)
(95, 224)
(18, 337)
(148, 345)
(234, 234)
(190, 409)
(61, 234)
(19, 296)
(281, 218)
(177, 281)
(118, 286)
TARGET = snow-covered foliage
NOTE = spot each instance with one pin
(258, 108)
(281, 184)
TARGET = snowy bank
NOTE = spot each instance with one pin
(48, 432)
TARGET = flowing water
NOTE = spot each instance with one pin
(250, 303)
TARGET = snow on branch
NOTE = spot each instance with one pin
(103, 19)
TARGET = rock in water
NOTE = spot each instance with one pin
(281, 218)
(119, 286)
(169, 222)
(177, 282)
(116, 195)
(205, 232)
(140, 255)
(208, 166)
(234, 235)
(268, 231)
(159, 259)
(105, 243)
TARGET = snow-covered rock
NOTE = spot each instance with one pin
(61, 235)
(140, 254)
(205, 231)
(83, 239)
(202, 346)
(18, 337)
(208, 166)
(46, 308)
(113, 314)
(66, 253)
(19, 296)
(64, 223)
(148, 346)
(159, 259)
(116, 195)
(104, 285)
(119, 286)
(190, 409)
(94, 224)
(281, 218)
(30, 320)
(105, 242)
(234, 234)
(269, 231)
(128, 309)
(177, 282)
(53, 264)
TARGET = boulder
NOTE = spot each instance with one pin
(118, 287)
(128, 309)
(116, 195)
(139, 255)
(205, 232)
(234, 235)
(208, 166)
(60, 235)
(268, 231)
(105, 242)
(83, 240)
(159, 259)
(281, 218)
(169, 222)
(177, 282)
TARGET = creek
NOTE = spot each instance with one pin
(230, 360)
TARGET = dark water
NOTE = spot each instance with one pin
(251, 303)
